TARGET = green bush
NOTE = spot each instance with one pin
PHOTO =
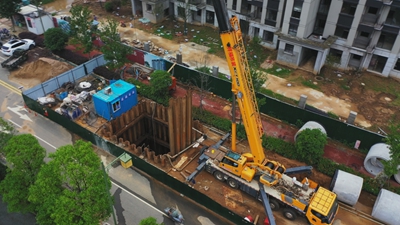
(146, 91)
(55, 39)
(310, 145)
(109, 6)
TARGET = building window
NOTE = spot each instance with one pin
(377, 63)
(297, 9)
(116, 106)
(271, 15)
(29, 22)
(268, 36)
(289, 48)
(372, 10)
(348, 8)
(293, 29)
(393, 18)
(199, 12)
(234, 3)
(335, 53)
(357, 57)
(386, 40)
(364, 34)
(149, 8)
(324, 6)
(319, 26)
(397, 66)
(209, 2)
(181, 12)
(341, 32)
(210, 17)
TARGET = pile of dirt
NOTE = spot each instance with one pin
(39, 71)
(36, 53)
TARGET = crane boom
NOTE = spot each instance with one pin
(242, 85)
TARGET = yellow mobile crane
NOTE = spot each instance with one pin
(253, 173)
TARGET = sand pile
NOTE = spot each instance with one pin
(42, 69)
(39, 71)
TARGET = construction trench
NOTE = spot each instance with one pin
(154, 131)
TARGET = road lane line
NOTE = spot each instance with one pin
(34, 135)
(131, 194)
(10, 87)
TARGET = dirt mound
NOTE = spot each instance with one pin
(36, 53)
(42, 69)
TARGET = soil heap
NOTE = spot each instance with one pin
(39, 71)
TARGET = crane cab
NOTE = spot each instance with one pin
(323, 207)
(236, 163)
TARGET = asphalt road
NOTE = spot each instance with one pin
(136, 196)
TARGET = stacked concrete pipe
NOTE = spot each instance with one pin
(387, 207)
(377, 153)
(347, 187)
(310, 125)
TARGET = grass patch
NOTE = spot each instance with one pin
(345, 87)
(256, 53)
(310, 84)
(167, 34)
(279, 71)
(333, 115)
(278, 96)
(384, 85)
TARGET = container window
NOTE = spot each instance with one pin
(116, 106)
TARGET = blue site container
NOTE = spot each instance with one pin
(114, 100)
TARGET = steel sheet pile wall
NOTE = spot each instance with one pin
(170, 126)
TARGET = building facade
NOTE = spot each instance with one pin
(351, 34)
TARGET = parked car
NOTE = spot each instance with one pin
(9, 47)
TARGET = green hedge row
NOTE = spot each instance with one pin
(288, 150)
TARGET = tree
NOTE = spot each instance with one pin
(149, 221)
(7, 131)
(310, 145)
(25, 156)
(8, 9)
(55, 39)
(185, 12)
(393, 140)
(160, 81)
(114, 51)
(81, 33)
(72, 188)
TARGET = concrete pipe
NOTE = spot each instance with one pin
(310, 125)
(377, 153)
(347, 187)
(387, 207)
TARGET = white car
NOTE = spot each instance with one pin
(9, 47)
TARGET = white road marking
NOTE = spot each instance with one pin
(19, 108)
(34, 135)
